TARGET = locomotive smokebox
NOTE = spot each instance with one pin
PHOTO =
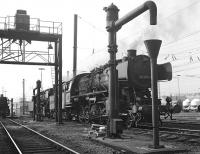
(153, 47)
(131, 53)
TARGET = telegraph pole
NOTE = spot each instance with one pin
(75, 45)
(23, 99)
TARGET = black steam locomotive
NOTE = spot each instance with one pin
(85, 97)
(4, 108)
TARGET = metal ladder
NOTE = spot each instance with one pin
(53, 75)
(52, 71)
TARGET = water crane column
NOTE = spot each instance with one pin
(113, 24)
(112, 16)
(60, 80)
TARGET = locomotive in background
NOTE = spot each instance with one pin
(85, 97)
(4, 108)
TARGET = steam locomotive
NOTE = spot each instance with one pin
(85, 97)
(4, 108)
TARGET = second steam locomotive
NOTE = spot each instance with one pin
(4, 108)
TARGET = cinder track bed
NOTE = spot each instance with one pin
(71, 134)
(6, 145)
(31, 142)
(188, 138)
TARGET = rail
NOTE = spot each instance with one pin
(58, 144)
(170, 130)
(10, 137)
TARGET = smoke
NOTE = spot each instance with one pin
(180, 21)
(175, 20)
(137, 42)
(149, 32)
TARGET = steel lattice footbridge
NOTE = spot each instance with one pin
(18, 35)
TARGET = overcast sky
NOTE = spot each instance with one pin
(178, 27)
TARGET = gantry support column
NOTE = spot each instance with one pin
(60, 80)
(56, 82)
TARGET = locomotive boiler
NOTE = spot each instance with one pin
(85, 97)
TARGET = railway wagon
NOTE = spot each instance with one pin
(85, 97)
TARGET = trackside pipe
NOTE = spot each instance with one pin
(153, 47)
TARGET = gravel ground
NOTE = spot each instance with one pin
(192, 146)
(74, 135)
(70, 134)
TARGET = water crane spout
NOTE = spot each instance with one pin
(153, 47)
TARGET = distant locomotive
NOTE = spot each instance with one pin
(85, 97)
(4, 108)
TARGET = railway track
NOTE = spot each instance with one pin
(175, 134)
(7, 144)
(29, 141)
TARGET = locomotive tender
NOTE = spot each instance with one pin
(85, 97)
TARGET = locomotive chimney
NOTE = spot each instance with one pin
(131, 53)
(153, 47)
